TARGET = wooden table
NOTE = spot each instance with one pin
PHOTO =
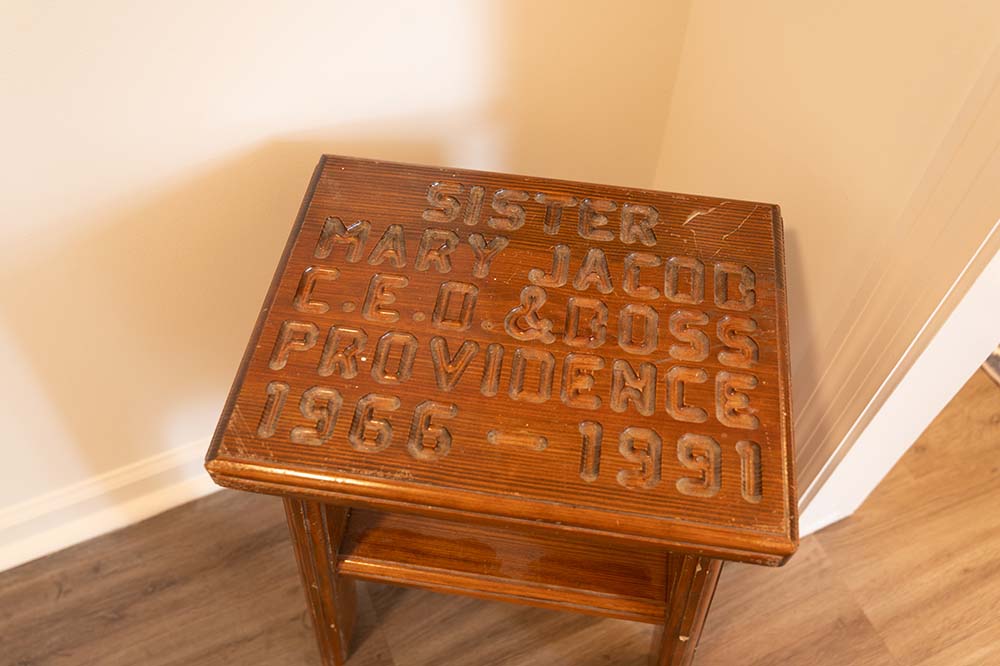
(555, 393)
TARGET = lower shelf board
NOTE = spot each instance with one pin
(611, 580)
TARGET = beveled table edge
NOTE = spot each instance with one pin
(768, 548)
(739, 544)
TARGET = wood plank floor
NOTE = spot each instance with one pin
(912, 579)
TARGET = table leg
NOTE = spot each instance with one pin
(691, 585)
(317, 530)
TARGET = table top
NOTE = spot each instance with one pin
(607, 361)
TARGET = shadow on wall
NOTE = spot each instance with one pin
(136, 330)
(587, 91)
(805, 361)
(134, 326)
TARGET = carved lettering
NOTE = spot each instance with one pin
(334, 232)
(511, 213)
(380, 294)
(277, 393)
(491, 370)
(596, 322)
(435, 247)
(475, 206)
(594, 271)
(590, 454)
(448, 369)
(343, 344)
(321, 405)
(519, 388)
(750, 475)
(701, 454)
(532, 441)
(391, 246)
(649, 318)
(627, 386)
(578, 381)
(554, 205)
(684, 280)
(725, 274)
(559, 274)
(648, 455)
(677, 379)
(524, 322)
(485, 253)
(370, 433)
(445, 206)
(637, 224)
(384, 350)
(732, 404)
(741, 350)
(303, 300)
(429, 440)
(297, 336)
(592, 218)
(634, 262)
(680, 325)
(444, 315)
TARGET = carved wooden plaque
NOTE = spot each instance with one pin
(493, 347)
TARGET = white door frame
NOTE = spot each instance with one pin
(910, 398)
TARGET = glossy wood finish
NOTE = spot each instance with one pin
(506, 564)
(649, 328)
(317, 534)
(905, 582)
(562, 394)
(692, 585)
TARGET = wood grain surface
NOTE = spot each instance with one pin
(487, 347)
(317, 533)
(552, 572)
(907, 581)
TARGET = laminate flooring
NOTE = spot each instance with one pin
(912, 579)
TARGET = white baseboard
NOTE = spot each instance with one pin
(811, 522)
(956, 351)
(103, 503)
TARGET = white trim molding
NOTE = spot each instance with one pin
(961, 344)
(103, 503)
(917, 277)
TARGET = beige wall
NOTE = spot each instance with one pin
(851, 116)
(155, 154)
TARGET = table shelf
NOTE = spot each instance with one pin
(505, 564)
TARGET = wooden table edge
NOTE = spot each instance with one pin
(757, 547)
(766, 548)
